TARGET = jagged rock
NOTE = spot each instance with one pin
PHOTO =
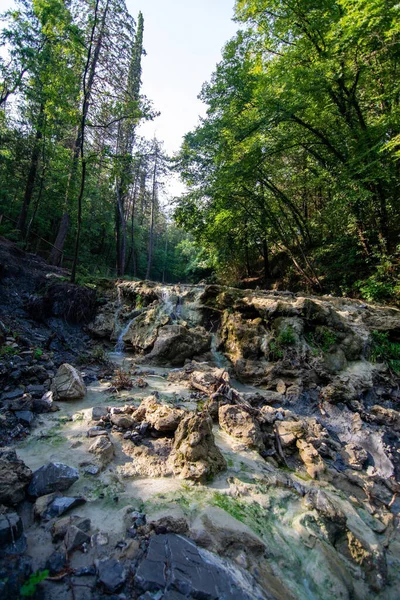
(386, 416)
(168, 520)
(150, 459)
(111, 574)
(240, 424)
(56, 563)
(43, 502)
(14, 477)
(97, 412)
(61, 505)
(11, 528)
(289, 432)
(51, 478)
(60, 527)
(103, 448)
(68, 384)
(354, 456)
(44, 404)
(176, 343)
(314, 464)
(161, 417)
(221, 533)
(194, 454)
(25, 417)
(192, 572)
(75, 538)
(122, 421)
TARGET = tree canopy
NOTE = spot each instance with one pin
(296, 166)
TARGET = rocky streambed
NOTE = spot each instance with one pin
(239, 445)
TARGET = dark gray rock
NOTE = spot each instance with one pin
(14, 477)
(13, 394)
(16, 548)
(175, 566)
(25, 417)
(56, 563)
(75, 538)
(52, 477)
(10, 528)
(111, 574)
(36, 391)
(14, 571)
(61, 505)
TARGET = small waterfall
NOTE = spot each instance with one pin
(178, 308)
(219, 358)
(119, 308)
(120, 345)
(167, 304)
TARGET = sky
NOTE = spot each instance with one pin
(183, 40)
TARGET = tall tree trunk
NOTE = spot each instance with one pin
(88, 78)
(152, 216)
(87, 86)
(30, 183)
(267, 270)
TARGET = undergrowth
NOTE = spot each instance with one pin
(384, 350)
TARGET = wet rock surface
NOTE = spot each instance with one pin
(68, 384)
(283, 485)
(14, 478)
(174, 564)
(51, 478)
(194, 454)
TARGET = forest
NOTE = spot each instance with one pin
(292, 177)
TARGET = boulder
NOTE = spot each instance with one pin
(14, 477)
(111, 574)
(56, 563)
(122, 421)
(177, 566)
(60, 527)
(176, 343)
(10, 528)
(61, 505)
(52, 477)
(25, 417)
(68, 384)
(97, 412)
(103, 448)
(218, 531)
(161, 417)
(240, 424)
(44, 404)
(75, 538)
(194, 454)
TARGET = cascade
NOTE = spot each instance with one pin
(120, 345)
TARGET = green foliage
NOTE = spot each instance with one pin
(38, 353)
(384, 350)
(293, 171)
(30, 586)
(322, 339)
(383, 284)
(275, 351)
(279, 345)
(8, 351)
(286, 337)
(139, 301)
